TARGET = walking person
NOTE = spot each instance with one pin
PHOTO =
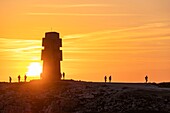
(110, 78)
(146, 78)
(10, 79)
(63, 75)
(105, 78)
(25, 78)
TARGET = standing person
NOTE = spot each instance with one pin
(25, 78)
(19, 77)
(10, 79)
(146, 78)
(110, 78)
(63, 75)
(105, 78)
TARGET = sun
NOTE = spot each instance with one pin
(34, 69)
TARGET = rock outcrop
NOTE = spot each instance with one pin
(83, 97)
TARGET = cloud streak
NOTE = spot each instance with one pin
(94, 43)
(71, 5)
(135, 40)
(79, 14)
(18, 49)
(98, 33)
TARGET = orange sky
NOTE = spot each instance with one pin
(123, 38)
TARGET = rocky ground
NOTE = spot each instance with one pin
(83, 97)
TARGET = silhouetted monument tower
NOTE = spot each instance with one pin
(51, 56)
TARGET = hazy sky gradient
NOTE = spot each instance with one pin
(123, 38)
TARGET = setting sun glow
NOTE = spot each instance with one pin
(34, 69)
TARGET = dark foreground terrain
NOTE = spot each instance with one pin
(83, 97)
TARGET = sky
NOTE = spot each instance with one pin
(127, 39)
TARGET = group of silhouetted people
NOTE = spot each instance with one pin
(19, 78)
(110, 78)
(63, 76)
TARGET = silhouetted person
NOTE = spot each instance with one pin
(146, 78)
(63, 75)
(10, 79)
(105, 78)
(25, 78)
(110, 78)
(19, 78)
